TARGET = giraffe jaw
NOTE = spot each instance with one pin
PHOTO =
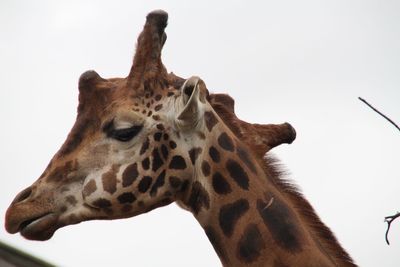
(39, 228)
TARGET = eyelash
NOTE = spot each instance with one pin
(126, 134)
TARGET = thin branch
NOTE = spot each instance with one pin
(380, 113)
(389, 220)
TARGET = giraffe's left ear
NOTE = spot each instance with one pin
(190, 106)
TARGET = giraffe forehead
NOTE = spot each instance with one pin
(154, 99)
(109, 94)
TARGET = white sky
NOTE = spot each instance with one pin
(304, 62)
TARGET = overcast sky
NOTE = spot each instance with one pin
(304, 62)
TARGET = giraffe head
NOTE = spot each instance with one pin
(132, 148)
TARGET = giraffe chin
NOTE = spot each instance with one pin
(40, 229)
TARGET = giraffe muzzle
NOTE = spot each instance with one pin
(40, 226)
(32, 217)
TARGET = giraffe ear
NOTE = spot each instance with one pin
(190, 105)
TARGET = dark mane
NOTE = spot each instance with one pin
(326, 239)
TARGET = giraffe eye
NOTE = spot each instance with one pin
(125, 134)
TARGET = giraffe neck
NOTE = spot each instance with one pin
(246, 217)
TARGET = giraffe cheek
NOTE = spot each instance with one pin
(92, 194)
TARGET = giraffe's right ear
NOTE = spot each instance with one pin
(190, 105)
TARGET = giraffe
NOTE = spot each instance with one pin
(154, 138)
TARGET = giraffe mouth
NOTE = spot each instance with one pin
(40, 227)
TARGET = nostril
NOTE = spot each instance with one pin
(23, 195)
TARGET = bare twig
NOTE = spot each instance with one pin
(380, 113)
(389, 220)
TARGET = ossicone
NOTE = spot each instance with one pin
(88, 80)
(147, 64)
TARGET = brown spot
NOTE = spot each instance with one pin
(201, 135)
(194, 153)
(157, 160)
(220, 185)
(126, 197)
(184, 186)
(230, 213)
(164, 151)
(160, 127)
(129, 175)
(244, 156)
(175, 182)
(102, 203)
(226, 142)
(156, 117)
(145, 146)
(146, 164)
(250, 244)
(238, 174)
(149, 113)
(158, 107)
(178, 163)
(144, 184)
(172, 144)
(109, 179)
(157, 97)
(205, 168)
(214, 154)
(281, 222)
(158, 183)
(199, 198)
(89, 188)
(71, 200)
(157, 136)
(210, 119)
